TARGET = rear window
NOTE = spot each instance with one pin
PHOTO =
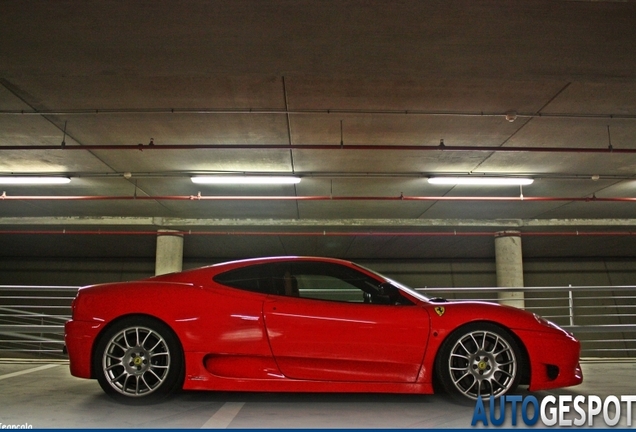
(255, 278)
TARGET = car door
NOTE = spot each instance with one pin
(327, 332)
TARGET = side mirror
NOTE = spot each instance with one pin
(387, 294)
(385, 288)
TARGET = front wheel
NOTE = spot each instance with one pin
(479, 359)
(138, 360)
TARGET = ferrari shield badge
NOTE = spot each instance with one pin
(440, 310)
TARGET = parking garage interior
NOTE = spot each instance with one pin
(365, 103)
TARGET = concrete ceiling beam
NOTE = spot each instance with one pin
(291, 223)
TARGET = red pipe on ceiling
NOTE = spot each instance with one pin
(397, 147)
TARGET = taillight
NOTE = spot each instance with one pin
(73, 305)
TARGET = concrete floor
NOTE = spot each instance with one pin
(45, 395)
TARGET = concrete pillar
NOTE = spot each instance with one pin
(169, 255)
(509, 263)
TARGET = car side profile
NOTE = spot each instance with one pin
(306, 324)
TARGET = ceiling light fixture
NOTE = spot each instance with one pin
(246, 180)
(33, 180)
(489, 181)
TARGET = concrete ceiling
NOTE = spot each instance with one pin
(393, 78)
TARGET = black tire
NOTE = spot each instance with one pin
(139, 360)
(479, 359)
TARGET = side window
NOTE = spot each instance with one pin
(256, 278)
(326, 287)
(312, 280)
(328, 281)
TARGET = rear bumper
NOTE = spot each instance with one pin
(79, 337)
(554, 359)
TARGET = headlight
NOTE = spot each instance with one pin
(545, 322)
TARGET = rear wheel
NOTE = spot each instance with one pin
(139, 360)
(479, 359)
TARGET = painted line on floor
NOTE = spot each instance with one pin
(27, 371)
(224, 416)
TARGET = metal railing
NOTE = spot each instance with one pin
(603, 318)
(32, 320)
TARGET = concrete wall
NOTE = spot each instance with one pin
(53, 271)
(430, 273)
(537, 272)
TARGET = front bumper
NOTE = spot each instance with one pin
(554, 359)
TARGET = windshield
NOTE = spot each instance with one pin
(399, 285)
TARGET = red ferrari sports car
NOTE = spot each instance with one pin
(304, 324)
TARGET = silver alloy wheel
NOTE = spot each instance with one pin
(482, 363)
(136, 361)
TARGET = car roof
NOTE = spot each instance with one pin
(229, 265)
(263, 260)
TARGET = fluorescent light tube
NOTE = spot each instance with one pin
(33, 180)
(490, 181)
(243, 180)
